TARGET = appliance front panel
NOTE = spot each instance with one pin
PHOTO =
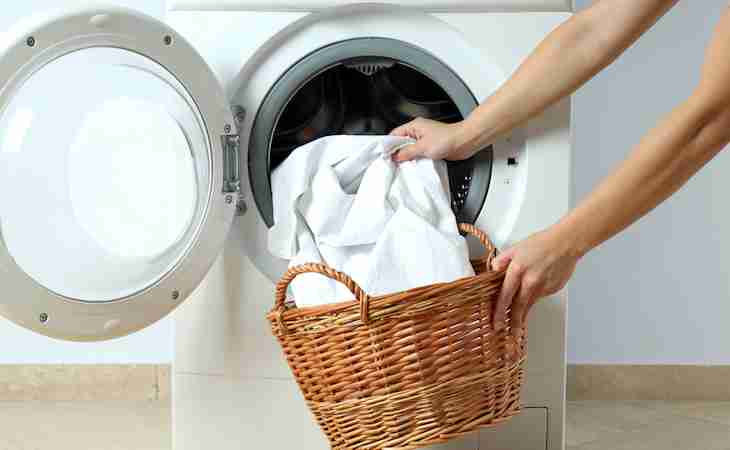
(221, 334)
(481, 73)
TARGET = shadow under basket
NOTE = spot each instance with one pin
(404, 370)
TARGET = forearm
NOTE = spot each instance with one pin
(665, 159)
(572, 54)
(662, 162)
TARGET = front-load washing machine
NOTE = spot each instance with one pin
(134, 176)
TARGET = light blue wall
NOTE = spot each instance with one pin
(19, 346)
(659, 293)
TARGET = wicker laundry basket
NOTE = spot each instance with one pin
(405, 370)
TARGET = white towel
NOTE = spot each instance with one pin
(342, 201)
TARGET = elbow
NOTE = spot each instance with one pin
(614, 28)
(712, 121)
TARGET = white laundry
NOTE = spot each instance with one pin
(342, 201)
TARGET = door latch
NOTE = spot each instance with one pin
(231, 163)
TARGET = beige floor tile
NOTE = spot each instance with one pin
(589, 421)
(718, 412)
(619, 416)
(581, 431)
(118, 425)
(145, 425)
(668, 432)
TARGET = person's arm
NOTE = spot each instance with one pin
(661, 163)
(567, 58)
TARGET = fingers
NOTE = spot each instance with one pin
(406, 130)
(527, 311)
(520, 306)
(503, 259)
(510, 287)
(408, 153)
(528, 295)
(412, 151)
(411, 129)
(518, 332)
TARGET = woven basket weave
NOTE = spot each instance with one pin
(405, 370)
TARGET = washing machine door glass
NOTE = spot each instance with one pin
(115, 197)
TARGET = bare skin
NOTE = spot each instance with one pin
(664, 160)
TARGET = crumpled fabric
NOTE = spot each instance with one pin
(342, 201)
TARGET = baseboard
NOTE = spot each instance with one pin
(152, 382)
(84, 382)
(643, 382)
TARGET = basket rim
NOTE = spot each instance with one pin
(293, 312)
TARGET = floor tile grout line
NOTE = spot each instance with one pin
(157, 382)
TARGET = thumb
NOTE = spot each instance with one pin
(503, 259)
(405, 130)
(409, 152)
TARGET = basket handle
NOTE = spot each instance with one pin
(322, 269)
(352, 286)
(468, 228)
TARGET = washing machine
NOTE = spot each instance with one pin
(135, 161)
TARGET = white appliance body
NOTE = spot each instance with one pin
(231, 386)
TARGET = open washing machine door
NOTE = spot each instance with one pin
(118, 173)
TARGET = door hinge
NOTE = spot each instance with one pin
(231, 163)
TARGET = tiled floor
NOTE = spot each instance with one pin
(601, 425)
(592, 425)
(111, 425)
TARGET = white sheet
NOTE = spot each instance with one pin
(341, 200)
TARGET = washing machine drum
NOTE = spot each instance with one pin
(361, 86)
(345, 101)
(117, 185)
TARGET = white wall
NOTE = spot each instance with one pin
(19, 346)
(659, 293)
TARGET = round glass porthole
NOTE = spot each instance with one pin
(104, 174)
